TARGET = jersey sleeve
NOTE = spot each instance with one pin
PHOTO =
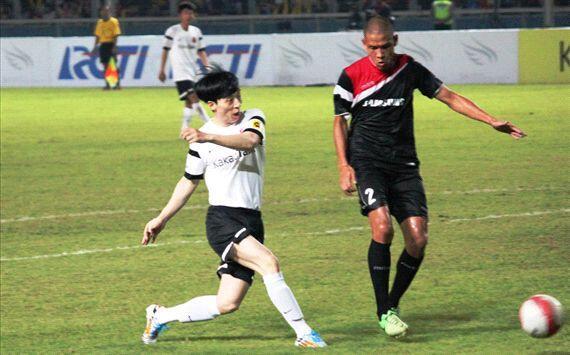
(255, 122)
(201, 44)
(195, 165)
(428, 84)
(98, 31)
(343, 95)
(117, 28)
(168, 38)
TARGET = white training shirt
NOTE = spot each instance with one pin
(234, 178)
(184, 47)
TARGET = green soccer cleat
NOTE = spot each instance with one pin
(391, 323)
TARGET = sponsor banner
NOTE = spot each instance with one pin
(68, 62)
(278, 59)
(544, 56)
(25, 62)
(464, 57)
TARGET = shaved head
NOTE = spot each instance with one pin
(378, 25)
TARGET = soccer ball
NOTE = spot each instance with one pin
(541, 316)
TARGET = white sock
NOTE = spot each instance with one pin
(284, 300)
(187, 114)
(201, 112)
(197, 309)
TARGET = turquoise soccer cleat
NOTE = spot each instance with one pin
(153, 328)
(311, 340)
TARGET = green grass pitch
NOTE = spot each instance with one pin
(83, 170)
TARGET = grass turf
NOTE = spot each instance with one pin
(82, 171)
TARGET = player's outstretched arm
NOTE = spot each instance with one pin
(464, 106)
(161, 72)
(347, 177)
(244, 141)
(180, 196)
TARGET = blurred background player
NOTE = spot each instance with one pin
(228, 152)
(184, 43)
(107, 31)
(377, 156)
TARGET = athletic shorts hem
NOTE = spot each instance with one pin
(185, 88)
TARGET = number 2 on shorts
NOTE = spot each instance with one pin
(370, 192)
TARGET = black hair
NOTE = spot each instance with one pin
(378, 24)
(186, 5)
(216, 85)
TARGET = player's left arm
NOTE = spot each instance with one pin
(203, 57)
(466, 107)
(246, 140)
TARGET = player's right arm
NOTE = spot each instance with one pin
(343, 97)
(97, 33)
(182, 192)
(167, 44)
(193, 173)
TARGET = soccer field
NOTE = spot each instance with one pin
(83, 170)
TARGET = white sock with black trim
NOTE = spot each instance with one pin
(187, 114)
(284, 300)
(201, 111)
(196, 310)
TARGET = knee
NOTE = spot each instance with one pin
(269, 264)
(227, 306)
(417, 243)
(383, 233)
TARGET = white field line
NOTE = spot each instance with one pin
(495, 216)
(328, 232)
(302, 201)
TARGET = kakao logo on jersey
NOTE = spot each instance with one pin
(79, 64)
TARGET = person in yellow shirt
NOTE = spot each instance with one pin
(107, 31)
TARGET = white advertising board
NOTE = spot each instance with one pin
(277, 59)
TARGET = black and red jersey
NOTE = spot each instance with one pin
(382, 125)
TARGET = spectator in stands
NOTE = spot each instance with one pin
(355, 19)
(442, 14)
(378, 8)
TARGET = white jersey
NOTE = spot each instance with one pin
(234, 178)
(184, 47)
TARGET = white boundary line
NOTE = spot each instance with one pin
(329, 231)
(524, 214)
(302, 201)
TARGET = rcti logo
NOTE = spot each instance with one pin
(236, 51)
(79, 64)
(87, 65)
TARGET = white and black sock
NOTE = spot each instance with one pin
(197, 309)
(284, 300)
(201, 112)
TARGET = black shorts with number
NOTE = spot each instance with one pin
(185, 88)
(401, 190)
(226, 226)
(106, 51)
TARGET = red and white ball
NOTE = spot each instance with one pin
(541, 316)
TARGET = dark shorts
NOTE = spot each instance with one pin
(185, 88)
(106, 52)
(226, 226)
(402, 191)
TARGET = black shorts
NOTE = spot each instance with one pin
(402, 191)
(226, 226)
(106, 52)
(185, 88)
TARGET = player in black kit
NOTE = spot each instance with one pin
(377, 157)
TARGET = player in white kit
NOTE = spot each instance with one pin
(184, 45)
(228, 152)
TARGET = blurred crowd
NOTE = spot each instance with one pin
(49, 9)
